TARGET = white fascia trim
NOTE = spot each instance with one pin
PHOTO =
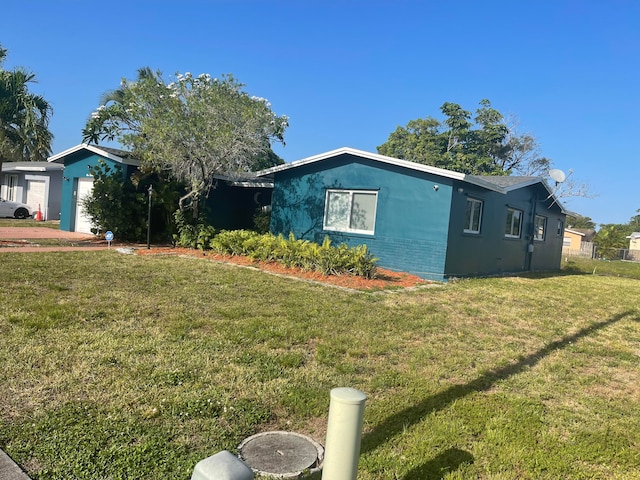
(384, 159)
(368, 155)
(409, 165)
(94, 149)
(30, 167)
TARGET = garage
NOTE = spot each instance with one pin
(83, 221)
(77, 181)
(36, 196)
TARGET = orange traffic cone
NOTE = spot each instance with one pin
(38, 216)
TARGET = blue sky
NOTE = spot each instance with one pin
(347, 73)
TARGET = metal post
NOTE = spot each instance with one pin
(344, 431)
(149, 219)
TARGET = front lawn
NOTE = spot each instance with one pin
(122, 366)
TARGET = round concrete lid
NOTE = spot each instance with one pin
(281, 454)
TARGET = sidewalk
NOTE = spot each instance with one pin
(9, 470)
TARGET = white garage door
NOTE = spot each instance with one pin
(36, 196)
(83, 222)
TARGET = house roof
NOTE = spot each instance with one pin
(497, 183)
(634, 235)
(120, 156)
(581, 231)
(30, 167)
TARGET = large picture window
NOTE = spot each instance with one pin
(473, 216)
(350, 211)
(514, 223)
(540, 228)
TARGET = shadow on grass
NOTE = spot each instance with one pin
(444, 463)
(396, 423)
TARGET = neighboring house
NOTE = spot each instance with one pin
(634, 241)
(38, 184)
(428, 221)
(634, 247)
(232, 203)
(578, 242)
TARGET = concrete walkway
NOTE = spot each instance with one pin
(9, 470)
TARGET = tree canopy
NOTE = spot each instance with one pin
(24, 117)
(578, 221)
(478, 145)
(192, 128)
(482, 144)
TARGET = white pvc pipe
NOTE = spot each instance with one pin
(344, 431)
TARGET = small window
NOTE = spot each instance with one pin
(566, 242)
(540, 228)
(560, 231)
(350, 211)
(473, 216)
(12, 187)
(514, 223)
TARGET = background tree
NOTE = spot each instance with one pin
(634, 222)
(191, 129)
(24, 118)
(610, 239)
(578, 221)
(484, 144)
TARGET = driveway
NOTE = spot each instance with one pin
(41, 232)
(7, 234)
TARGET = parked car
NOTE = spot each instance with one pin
(14, 209)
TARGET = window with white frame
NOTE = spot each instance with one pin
(350, 211)
(473, 216)
(514, 223)
(11, 188)
(540, 228)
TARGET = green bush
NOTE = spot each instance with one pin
(232, 242)
(193, 233)
(121, 204)
(297, 253)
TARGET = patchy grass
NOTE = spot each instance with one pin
(122, 366)
(617, 268)
(29, 222)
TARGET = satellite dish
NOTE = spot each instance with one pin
(557, 175)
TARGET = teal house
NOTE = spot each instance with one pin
(77, 181)
(415, 218)
(232, 204)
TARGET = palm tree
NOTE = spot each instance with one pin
(24, 118)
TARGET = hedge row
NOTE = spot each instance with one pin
(291, 252)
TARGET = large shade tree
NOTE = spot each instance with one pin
(24, 117)
(482, 144)
(193, 128)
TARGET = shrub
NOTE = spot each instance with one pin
(297, 253)
(232, 242)
(193, 234)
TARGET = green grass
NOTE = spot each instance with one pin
(28, 222)
(616, 268)
(119, 366)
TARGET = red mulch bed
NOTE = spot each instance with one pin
(384, 279)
